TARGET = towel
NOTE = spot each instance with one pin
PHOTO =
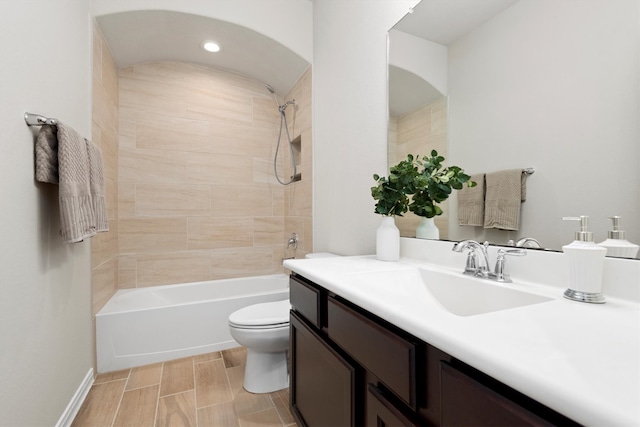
(47, 155)
(471, 203)
(96, 187)
(506, 190)
(66, 158)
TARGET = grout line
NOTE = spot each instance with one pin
(155, 415)
(195, 388)
(124, 389)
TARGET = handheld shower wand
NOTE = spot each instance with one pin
(283, 123)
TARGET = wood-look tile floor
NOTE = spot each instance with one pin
(201, 391)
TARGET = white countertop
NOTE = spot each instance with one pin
(582, 360)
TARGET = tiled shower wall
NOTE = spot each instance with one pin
(104, 246)
(418, 133)
(197, 199)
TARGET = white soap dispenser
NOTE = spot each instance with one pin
(585, 265)
(616, 244)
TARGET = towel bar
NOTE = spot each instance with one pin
(528, 171)
(39, 120)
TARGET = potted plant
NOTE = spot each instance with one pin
(417, 185)
(432, 185)
(391, 195)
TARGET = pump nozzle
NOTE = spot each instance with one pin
(583, 235)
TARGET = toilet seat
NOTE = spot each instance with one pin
(268, 315)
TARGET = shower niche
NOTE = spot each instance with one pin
(296, 150)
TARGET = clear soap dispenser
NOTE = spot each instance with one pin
(585, 265)
(616, 244)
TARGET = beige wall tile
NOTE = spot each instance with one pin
(242, 263)
(196, 147)
(104, 246)
(229, 169)
(172, 268)
(153, 97)
(152, 166)
(213, 233)
(146, 235)
(103, 284)
(127, 269)
(126, 200)
(241, 140)
(219, 105)
(265, 112)
(268, 231)
(172, 200)
(241, 201)
(171, 133)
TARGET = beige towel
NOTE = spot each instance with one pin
(66, 158)
(505, 192)
(471, 203)
(47, 155)
(96, 187)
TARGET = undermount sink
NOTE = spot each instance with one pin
(469, 296)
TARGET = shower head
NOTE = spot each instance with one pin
(273, 92)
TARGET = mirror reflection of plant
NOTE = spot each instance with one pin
(424, 179)
(434, 185)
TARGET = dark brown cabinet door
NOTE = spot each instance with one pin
(382, 413)
(466, 402)
(322, 383)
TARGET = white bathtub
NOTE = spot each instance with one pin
(147, 325)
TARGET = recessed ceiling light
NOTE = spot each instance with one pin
(211, 46)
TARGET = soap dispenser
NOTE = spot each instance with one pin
(586, 260)
(616, 244)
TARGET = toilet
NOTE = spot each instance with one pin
(264, 330)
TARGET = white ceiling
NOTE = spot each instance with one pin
(153, 35)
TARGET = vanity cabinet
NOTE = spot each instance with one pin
(352, 368)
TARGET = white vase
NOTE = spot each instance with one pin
(427, 229)
(388, 240)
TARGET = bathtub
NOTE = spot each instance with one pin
(147, 325)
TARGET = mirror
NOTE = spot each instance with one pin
(543, 84)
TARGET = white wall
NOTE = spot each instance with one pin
(349, 118)
(552, 85)
(431, 64)
(45, 302)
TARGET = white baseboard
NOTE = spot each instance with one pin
(76, 401)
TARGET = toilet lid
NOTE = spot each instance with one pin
(261, 315)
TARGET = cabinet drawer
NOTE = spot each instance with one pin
(465, 401)
(382, 413)
(305, 298)
(386, 355)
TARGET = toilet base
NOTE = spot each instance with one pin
(266, 372)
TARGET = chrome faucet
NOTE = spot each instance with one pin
(477, 259)
(525, 242)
